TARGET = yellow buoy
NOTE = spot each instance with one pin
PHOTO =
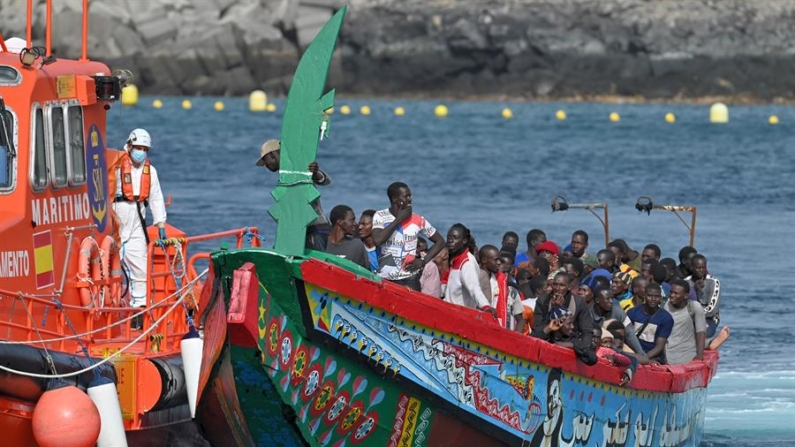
(773, 120)
(507, 113)
(330, 111)
(257, 101)
(270, 107)
(615, 117)
(345, 110)
(364, 110)
(129, 95)
(560, 115)
(158, 104)
(218, 106)
(670, 118)
(440, 111)
(400, 111)
(186, 104)
(719, 113)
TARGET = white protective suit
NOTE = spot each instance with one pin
(133, 248)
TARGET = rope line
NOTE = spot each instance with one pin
(117, 323)
(135, 341)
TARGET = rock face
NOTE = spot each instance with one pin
(667, 49)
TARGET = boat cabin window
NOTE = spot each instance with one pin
(40, 153)
(9, 75)
(57, 132)
(77, 148)
(7, 152)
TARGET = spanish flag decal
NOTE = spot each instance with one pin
(42, 255)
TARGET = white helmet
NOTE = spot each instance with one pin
(139, 137)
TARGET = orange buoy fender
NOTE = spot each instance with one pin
(65, 417)
(111, 269)
(89, 268)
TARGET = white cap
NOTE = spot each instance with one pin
(139, 137)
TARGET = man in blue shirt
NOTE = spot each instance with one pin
(534, 237)
(654, 324)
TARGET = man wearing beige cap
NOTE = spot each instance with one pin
(316, 233)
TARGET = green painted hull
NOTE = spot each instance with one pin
(306, 370)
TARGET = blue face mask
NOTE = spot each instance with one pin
(138, 155)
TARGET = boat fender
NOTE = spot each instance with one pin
(172, 391)
(65, 417)
(191, 348)
(89, 269)
(102, 392)
(111, 269)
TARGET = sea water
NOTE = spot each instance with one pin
(495, 175)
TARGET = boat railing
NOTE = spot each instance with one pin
(50, 323)
(164, 281)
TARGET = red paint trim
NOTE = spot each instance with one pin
(482, 329)
(42, 239)
(45, 279)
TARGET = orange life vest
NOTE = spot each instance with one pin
(126, 180)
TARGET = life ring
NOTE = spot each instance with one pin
(89, 269)
(111, 269)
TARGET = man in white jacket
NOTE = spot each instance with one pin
(137, 188)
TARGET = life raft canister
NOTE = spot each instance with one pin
(111, 270)
(89, 269)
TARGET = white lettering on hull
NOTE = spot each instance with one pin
(55, 210)
(14, 264)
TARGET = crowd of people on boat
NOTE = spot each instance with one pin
(626, 306)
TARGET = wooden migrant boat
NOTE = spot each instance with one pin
(64, 326)
(317, 350)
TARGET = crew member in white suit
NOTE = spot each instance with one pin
(137, 188)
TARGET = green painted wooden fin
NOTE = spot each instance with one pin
(303, 116)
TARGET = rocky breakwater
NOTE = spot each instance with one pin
(211, 47)
(667, 49)
(659, 49)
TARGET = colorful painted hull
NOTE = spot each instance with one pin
(352, 360)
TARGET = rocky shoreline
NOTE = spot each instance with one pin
(662, 50)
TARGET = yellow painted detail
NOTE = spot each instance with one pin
(43, 259)
(125, 373)
(409, 423)
(66, 86)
